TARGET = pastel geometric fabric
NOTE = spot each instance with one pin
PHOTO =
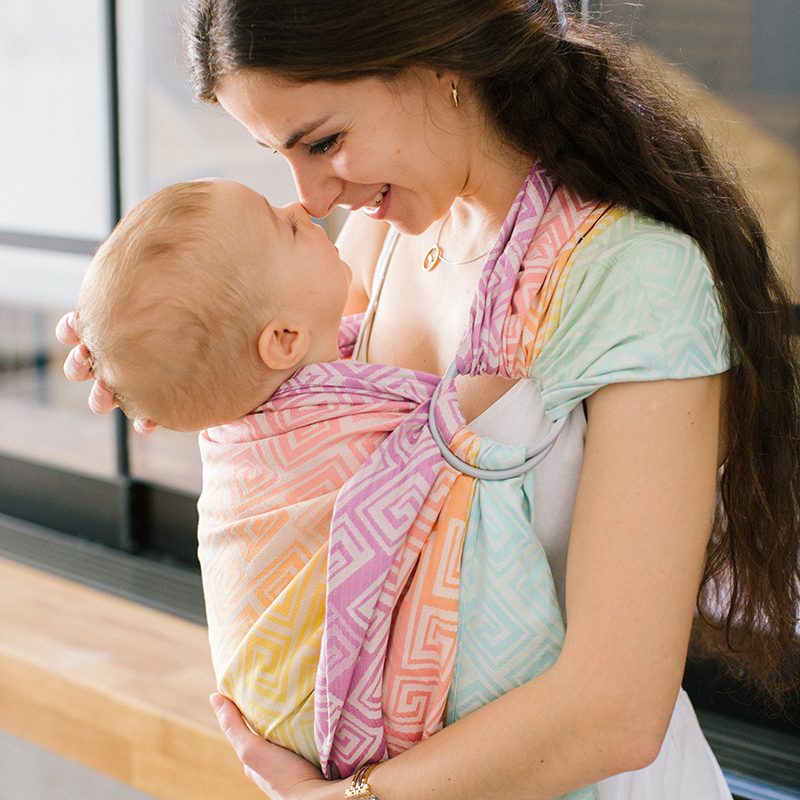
(639, 305)
(359, 589)
(355, 674)
(269, 486)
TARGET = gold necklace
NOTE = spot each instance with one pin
(434, 255)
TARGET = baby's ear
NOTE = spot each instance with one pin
(282, 348)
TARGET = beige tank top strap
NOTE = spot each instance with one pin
(361, 350)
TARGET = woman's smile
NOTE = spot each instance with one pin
(395, 150)
(378, 198)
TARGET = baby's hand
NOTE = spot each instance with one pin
(78, 367)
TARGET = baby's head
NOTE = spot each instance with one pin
(205, 299)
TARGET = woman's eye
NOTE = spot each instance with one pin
(320, 148)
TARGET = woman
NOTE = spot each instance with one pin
(428, 116)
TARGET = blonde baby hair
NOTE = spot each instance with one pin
(171, 316)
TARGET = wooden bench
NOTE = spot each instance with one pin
(118, 687)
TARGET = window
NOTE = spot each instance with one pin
(97, 115)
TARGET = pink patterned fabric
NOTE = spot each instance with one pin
(269, 486)
(379, 500)
(395, 497)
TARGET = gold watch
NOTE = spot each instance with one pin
(359, 786)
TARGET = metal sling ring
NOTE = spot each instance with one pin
(533, 454)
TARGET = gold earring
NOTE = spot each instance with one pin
(455, 94)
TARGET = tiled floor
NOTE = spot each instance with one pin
(28, 772)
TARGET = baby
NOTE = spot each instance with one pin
(201, 304)
(205, 299)
(330, 528)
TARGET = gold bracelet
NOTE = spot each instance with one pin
(359, 786)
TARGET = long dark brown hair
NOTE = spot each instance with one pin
(568, 94)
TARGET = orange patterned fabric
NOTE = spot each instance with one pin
(275, 482)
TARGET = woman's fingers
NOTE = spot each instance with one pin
(279, 773)
(65, 329)
(144, 426)
(229, 718)
(101, 400)
(247, 745)
(78, 366)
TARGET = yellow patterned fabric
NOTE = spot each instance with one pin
(269, 487)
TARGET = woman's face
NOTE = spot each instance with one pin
(397, 150)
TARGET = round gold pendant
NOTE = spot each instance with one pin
(431, 258)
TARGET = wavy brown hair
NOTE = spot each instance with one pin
(568, 94)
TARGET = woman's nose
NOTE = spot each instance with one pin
(318, 191)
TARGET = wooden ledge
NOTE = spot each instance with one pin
(115, 686)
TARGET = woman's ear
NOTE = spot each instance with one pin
(447, 81)
(282, 348)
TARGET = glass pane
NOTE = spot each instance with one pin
(54, 130)
(55, 174)
(740, 60)
(166, 137)
(43, 416)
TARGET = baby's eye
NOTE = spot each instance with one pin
(292, 221)
(320, 148)
(267, 147)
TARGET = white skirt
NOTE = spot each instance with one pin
(684, 770)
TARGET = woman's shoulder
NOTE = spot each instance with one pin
(632, 240)
(639, 304)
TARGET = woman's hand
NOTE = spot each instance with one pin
(279, 773)
(78, 367)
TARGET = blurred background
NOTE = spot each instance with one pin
(97, 114)
(92, 122)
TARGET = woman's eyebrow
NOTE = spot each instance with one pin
(299, 134)
(305, 131)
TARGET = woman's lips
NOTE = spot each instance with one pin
(375, 206)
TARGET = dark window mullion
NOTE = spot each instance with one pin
(130, 532)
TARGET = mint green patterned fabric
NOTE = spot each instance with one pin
(510, 625)
(520, 633)
(639, 305)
